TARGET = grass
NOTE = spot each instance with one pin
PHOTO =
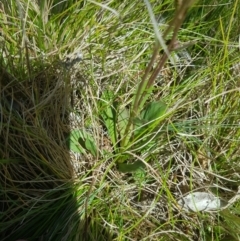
(49, 192)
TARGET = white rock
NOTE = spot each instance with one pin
(200, 201)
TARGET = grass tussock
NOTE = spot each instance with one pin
(77, 66)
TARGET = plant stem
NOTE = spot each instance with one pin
(147, 84)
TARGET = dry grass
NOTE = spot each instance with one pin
(51, 193)
(34, 123)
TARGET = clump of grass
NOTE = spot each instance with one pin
(192, 146)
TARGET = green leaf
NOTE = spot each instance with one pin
(90, 146)
(153, 111)
(124, 167)
(123, 118)
(149, 118)
(139, 126)
(80, 141)
(145, 126)
(73, 141)
(108, 114)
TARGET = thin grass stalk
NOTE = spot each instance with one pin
(143, 86)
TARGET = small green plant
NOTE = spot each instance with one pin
(128, 133)
(135, 126)
(80, 141)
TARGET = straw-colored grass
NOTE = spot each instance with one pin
(57, 59)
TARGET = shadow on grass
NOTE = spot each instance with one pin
(40, 198)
